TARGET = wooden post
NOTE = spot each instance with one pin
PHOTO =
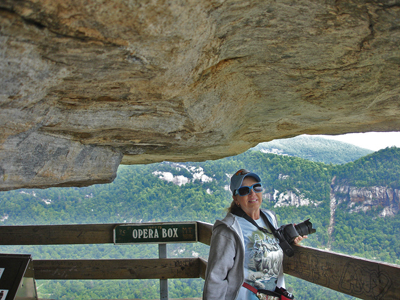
(162, 253)
(204, 232)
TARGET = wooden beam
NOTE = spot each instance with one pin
(57, 234)
(362, 278)
(203, 267)
(73, 234)
(67, 234)
(204, 232)
(117, 269)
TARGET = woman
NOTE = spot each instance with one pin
(243, 252)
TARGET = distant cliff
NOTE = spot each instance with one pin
(365, 198)
(358, 199)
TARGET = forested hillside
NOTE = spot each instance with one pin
(379, 169)
(199, 191)
(314, 148)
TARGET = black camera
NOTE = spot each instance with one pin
(290, 231)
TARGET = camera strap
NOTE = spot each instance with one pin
(287, 249)
(240, 213)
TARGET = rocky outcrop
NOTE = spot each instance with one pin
(288, 198)
(196, 173)
(364, 198)
(87, 85)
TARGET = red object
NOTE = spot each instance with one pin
(250, 287)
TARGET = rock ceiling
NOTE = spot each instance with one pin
(88, 85)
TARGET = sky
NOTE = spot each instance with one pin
(370, 140)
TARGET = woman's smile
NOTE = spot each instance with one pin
(250, 203)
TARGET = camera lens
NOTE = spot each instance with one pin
(304, 228)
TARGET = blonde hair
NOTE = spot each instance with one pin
(230, 208)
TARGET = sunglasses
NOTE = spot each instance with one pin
(245, 190)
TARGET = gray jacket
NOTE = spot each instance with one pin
(225, 268)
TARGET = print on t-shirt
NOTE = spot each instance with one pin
(263, 258)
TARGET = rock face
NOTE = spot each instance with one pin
(87, 85)
(367, 197)
(363, 199)
(288, 198)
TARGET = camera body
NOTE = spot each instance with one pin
(287, 233)
(291, 231)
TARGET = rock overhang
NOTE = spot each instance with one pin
(88, 86)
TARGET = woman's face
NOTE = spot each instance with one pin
(250, 203)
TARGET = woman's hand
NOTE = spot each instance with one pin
(299, 239)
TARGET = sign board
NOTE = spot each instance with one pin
(159, 233)
(17, 277)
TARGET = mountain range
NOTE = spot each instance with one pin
(314, 148)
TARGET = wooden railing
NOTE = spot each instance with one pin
(362, 278)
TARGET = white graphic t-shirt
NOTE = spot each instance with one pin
(263, 258)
